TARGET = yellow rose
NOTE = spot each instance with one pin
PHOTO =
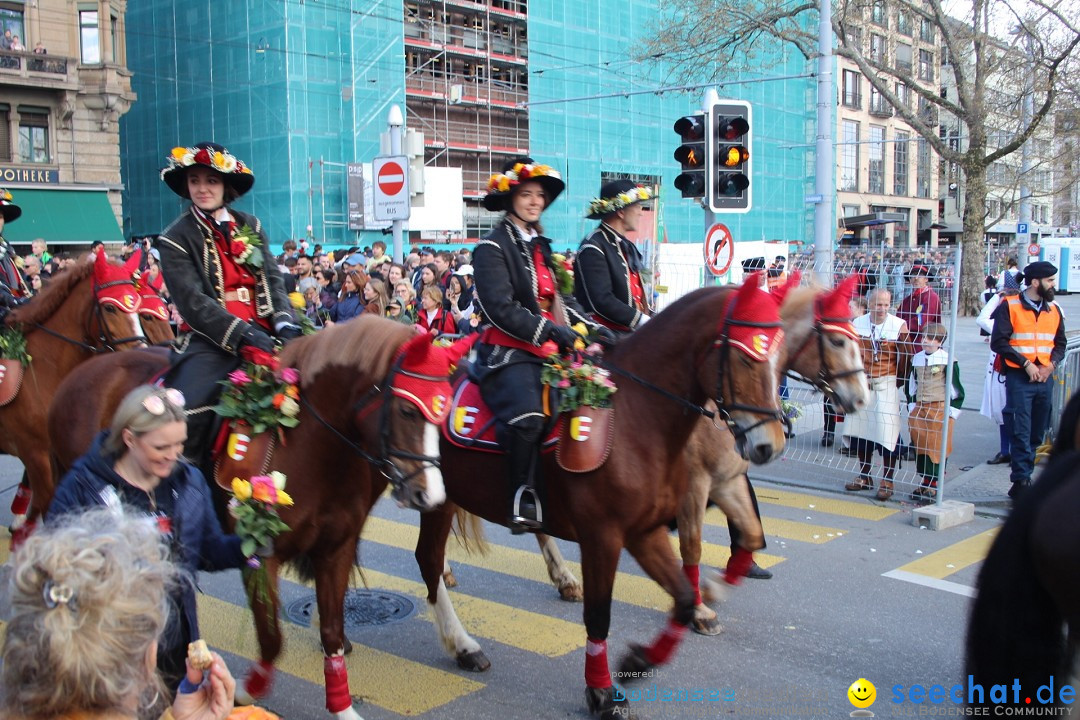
(278, 478)
(283, 498)
(504, 183)
(178, 153)
(580, 329)
(241, 489)
(218, 160)
(579, 344)
(289, 407)
(297, 300)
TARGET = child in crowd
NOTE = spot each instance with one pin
(927, 408)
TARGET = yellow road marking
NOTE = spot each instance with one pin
(787, 529)
(954, 558)
(803, 501)
(529, 565)
(537, 633)
(380, 678)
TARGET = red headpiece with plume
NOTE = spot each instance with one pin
(113, 285)
(833, 309)
(752, 320)
(424, 375)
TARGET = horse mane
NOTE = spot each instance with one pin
(52, 296)
(796, 301)
(367, 342)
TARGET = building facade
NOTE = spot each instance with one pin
(886, 174)
(299, 90)
(64, 85)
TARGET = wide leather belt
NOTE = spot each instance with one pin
(239, 295)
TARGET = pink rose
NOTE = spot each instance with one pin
(290, 376)
(564, 383)
(263, 489)
(239, 377)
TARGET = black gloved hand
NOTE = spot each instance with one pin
(564, 337)
(255, 337)
(605, 337)
(289, 332)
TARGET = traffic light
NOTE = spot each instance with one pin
(729, 186)
(691, 155)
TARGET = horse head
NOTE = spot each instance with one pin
(822, 346)
(749, 340)
(153, 313)
(117, 303)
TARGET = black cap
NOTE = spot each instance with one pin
(1040, 269)
(752, 264)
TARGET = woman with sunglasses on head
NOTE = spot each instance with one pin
(137, 463)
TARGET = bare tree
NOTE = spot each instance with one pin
(710, 37)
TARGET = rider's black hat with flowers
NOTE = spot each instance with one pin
(8, 208)
(615, 196)
(501, 185)
(233, 171)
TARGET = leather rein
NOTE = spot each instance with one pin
(826, 375)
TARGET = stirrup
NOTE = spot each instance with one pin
(520, 523)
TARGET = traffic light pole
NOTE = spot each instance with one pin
(394, 121)
(709, 98)
(825, 190)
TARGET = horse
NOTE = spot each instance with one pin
(718, 343)
(1025, 621)
(85, 310)
(821, 349)
(370, 393)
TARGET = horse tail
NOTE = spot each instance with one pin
(1015, 631)
(469, 531)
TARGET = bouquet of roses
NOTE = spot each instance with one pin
(261, 392)
(254, 506)
(579, 380)
(242, 245)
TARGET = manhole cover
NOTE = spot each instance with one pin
(363, 608)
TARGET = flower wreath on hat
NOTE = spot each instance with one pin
(502, 182)
(605, 206)
(221, 160)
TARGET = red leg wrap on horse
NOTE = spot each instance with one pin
(597, 674)
(692, 573)
(21, 533)
(664, 646)
(738, 565)
(21, 502)
(337, 684)
(259, 680)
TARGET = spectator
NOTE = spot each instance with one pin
(5, 41)
(394, 273)
(32, 266)
(406, 293)
(427, 275)
(39, 49)
(876, 427)
(16, 44)
(328, 289)
(40, 249)
(443, 271)
(350, 301)
(395, 311)
(993, 399)
(378, 256)
(432, 318)
(990, 283)
(288, 250)
(926, 395)
(376, 297)
(1011, 280)
(89, 606)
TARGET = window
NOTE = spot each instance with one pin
(877, 49)
(114, 37)
(849, 154)
(903, 22)
(903, 57)
(33, 134)
(926, 30)
(853, 36)
(877, 14)
(903, 94)
(900, 162)
(89, 38)
(926, 65)
(11, 21)
(5, 140)
(876, 176)
(878, 105)
(927, 112)
(993, 208)
(852, 89)
(851, 210)
(922, 169)
(900, 236)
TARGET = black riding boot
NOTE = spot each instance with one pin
(522, 481)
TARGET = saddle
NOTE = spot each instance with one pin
(11, 376)
(239, 453)
(581, 440)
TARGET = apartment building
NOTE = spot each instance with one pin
(887, 175)
(64, 84)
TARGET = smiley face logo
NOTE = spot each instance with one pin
(862, 693)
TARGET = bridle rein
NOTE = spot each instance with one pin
(826, 375)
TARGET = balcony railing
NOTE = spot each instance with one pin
(25, 63)
(853, 99)
(880, 108)
(466, 41)
(473, 91)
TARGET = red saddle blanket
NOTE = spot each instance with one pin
(470, 425)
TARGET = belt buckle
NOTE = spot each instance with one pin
(243, 295)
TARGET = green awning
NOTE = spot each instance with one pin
(63, 217)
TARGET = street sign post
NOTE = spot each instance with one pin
(391, 200)
(719, 249)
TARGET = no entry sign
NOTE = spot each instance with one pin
(391, 192)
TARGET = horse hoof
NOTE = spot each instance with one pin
(634, 664)
(475, 661)
(347, 714)
(242, 698)
(571, 593)
(347, 645)
(707, 625)
(713, 589)
(602, 702)
(449, 580)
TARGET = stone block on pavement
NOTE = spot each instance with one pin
(949, 513)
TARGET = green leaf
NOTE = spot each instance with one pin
(248, 547)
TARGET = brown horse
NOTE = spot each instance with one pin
(361, 427)
(1025, 621)
(821, 348)
(666, 371)
(65, 324)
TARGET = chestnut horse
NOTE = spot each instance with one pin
(822, 349)
(361, 427)
(1025, 621)
(694, 351)
(76, 316)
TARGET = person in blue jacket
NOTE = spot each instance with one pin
(136, 463)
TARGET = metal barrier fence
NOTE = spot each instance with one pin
(1066, 381)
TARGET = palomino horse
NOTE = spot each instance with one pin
(822, 348)
(718, 343)
(371, 391)
(1025, 622)
(85, 310)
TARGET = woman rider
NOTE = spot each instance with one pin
(517, 292)
(223, 280)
